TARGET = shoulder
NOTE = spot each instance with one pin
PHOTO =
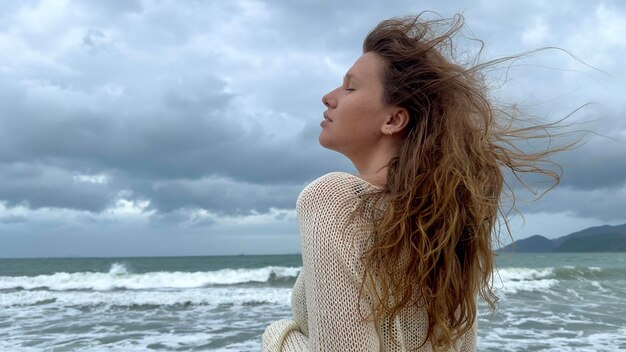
(336, 194)
(331, 187)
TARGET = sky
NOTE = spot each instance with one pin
(140, 128)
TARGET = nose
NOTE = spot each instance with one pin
(329, 100)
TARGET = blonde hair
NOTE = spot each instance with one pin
(432, 243)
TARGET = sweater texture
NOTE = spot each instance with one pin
(327, 314)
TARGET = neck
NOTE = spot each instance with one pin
(372, 165)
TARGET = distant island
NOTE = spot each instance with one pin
(604, 238)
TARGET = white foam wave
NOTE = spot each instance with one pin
(118, 277)
(514, 280)
(520, 274)
(207, 296)
(118, 269)
(514, 338)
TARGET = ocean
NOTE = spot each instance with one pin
(548, 302)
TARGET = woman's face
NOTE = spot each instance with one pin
(355, 111)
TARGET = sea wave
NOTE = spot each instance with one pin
(588, 273)
(562, 273)
(137, 299)
(513, 280)
(118, 277)
(516, 279)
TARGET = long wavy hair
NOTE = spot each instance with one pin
(431, 245)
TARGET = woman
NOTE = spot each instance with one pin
(393, 259)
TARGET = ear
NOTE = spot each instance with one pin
(395, 122)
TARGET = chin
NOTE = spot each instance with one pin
(325, 142)
(329, 145)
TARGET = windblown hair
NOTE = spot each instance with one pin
(432, 242)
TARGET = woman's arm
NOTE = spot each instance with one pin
(334, 321)
(333, 269)
(284, 336)
(290, 335)
(332, 292)
(331, 274)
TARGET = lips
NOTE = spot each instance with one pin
(327, 118)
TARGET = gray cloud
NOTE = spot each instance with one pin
(607, 207)
(223, 196)
(12, 219)
(599, 165)
(38, 186)
(216, 106)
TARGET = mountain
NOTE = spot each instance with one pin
(604, 238)
(533, 244)
(593, 231)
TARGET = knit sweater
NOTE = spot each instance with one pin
(325, 298)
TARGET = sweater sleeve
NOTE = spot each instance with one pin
(289, 335)
(333, 269)
(332, 303)
(284, 336)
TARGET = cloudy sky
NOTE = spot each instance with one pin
(190, 127)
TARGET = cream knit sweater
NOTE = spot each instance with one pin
(324, 301)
